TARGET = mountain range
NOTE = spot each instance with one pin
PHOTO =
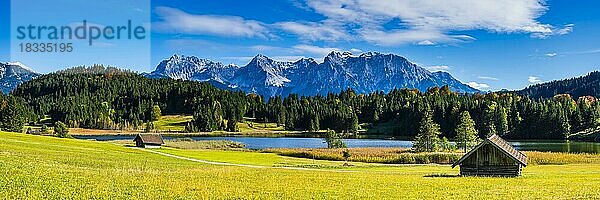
(13, 74)
(364, 73)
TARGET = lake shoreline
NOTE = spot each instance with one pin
(264, 142)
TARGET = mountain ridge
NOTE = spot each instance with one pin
(365, 73)
(13, 74)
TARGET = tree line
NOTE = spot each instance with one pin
(14, 113)
(113, 99)
(588, 85)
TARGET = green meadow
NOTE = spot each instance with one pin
(40, 167)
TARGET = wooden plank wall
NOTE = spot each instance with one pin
(489, 161)
(506, 170)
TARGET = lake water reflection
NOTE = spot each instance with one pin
(292, 142)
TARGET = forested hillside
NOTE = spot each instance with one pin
(588, 85)
(122, 100)
(117, 99)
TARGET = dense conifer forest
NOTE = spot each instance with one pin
(588, 85)
(102, 98)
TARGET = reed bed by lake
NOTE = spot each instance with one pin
(407, 156)
(187, 143)
(557, 158)
(372, 155)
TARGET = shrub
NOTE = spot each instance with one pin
(61, 130)
(334, 140)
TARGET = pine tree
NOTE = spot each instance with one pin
(353, 124)
(466, 133)
(149, 127)
(313, 121)
(427, 137)
(156, 113)
(502, 121)
(12, 114)
(564, 128)
(489, 119)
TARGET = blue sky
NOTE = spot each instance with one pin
(490, 44)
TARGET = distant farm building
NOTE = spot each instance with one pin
(492, 157)
(148, 140)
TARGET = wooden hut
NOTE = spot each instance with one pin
(148, 140)
(492, 157)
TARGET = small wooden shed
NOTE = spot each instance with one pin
(492, 157)
(148, 140)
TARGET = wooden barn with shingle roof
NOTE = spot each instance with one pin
(492, 157)
(148, 140)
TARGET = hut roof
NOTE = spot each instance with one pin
(150, 139)
(501, 144)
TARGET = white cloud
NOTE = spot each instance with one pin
(431, 21)
(565, 30)
(425, 43)
(263, 48)
(494, 15)
(314, 31)
(315, 50)
(591, 51)
(443, 68)
(356, 51)
(420, 22)
(488, 78)
(534, 79)
(555, 31)
(301, 49)
(479, 86)
(398, 37)
(175, 20)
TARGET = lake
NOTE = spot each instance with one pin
(292, 142)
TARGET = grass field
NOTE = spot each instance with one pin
(175, 124)
(172, 123)
(37, 167)
(178, 122)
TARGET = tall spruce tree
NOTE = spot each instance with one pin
(466, 134)
(428, 133)
(489, 119)
(501, 121)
